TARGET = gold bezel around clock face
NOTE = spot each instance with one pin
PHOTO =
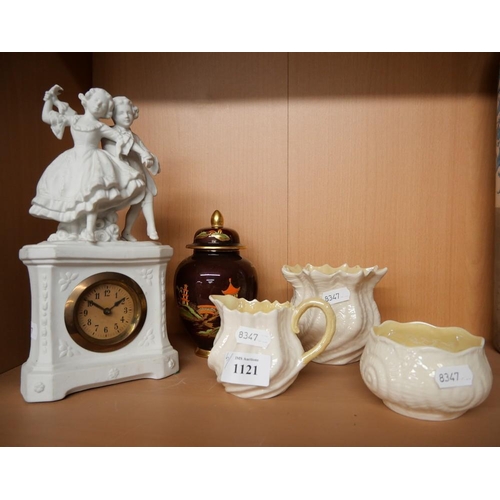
(105, 312)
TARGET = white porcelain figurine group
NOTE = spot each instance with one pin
(418, 370)
(84, 187)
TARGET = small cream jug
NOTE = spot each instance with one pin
(256, 353)
(349, 291)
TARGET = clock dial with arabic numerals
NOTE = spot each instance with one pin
(105, 312)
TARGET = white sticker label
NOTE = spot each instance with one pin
(453, 376)
(337, 295)
(34, 331)
(247, 369)
(253, 336)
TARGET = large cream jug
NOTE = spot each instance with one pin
(349, 291)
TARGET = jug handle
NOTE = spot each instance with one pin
(331, 323)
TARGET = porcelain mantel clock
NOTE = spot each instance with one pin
(98, 295)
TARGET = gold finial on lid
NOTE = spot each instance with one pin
(217, 220)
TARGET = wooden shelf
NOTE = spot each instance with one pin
(326, 406)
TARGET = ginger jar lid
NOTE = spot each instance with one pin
(216, 237)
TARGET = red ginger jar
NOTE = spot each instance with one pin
(215, 268)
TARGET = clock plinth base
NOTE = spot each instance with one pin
(39, 385)
(58, 365)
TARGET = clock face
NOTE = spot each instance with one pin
(105, 312)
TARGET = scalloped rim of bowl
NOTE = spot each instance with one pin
(420, 335)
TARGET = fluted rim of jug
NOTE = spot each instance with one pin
(254, 306)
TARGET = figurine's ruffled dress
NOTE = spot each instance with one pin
(86, 179)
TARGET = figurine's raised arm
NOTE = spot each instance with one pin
(60, 119)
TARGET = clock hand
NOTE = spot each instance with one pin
(105, 310)
(117, 303)
(97, 305)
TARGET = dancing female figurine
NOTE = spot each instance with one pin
(85, 183)
(124, 114)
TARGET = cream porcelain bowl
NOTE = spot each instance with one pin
(426, 372)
